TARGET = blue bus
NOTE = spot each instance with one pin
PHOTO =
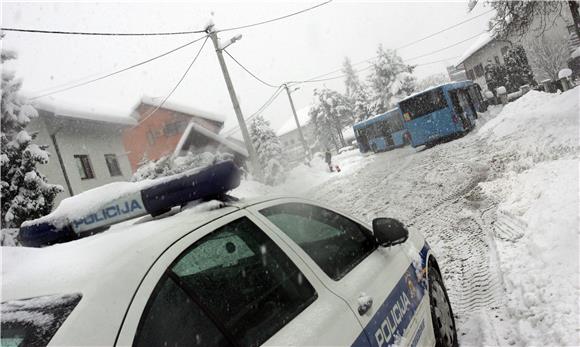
(441, 112)
(382, 132)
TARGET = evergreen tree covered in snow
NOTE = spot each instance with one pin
(518, 69)
(330, 114)
(496, 76)
(268, 150)
(385, 79)
(356, 92)
(25, 192)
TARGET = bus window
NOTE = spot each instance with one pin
(423, 104)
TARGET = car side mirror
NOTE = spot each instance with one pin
(389, 232)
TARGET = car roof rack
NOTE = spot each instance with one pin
(208, 183)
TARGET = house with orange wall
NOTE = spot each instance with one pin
(158, 132)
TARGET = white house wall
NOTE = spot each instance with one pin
(74, 137)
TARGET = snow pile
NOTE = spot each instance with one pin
(535, 156)
(535, 128)
(540, 269)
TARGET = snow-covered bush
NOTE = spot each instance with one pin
(25, 192)
(268, 150)
(167, 165)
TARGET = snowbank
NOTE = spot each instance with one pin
(535, 152)
(540, 269)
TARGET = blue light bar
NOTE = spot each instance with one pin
(208, 183)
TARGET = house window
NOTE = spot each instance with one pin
(478, 70)
(497, 60)
(173, 128)
(504, 50)
(113, 165)
(470, 75)
(84, 165)
(150, 137)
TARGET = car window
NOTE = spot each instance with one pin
(334, 242)
(234, 286)
(34, 321)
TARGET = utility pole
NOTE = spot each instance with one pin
(302, 139)
(242, 122)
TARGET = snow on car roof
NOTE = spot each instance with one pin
(185, 109)
(121, 254)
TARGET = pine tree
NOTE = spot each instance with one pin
(518, 69)
(25, 192)
(268, 150)
(330, 114)
(385, 79)
(356, 92)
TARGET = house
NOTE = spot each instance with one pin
(86, 147)
(198, 139)
(488, 48)
(159, 129)
(290, 137)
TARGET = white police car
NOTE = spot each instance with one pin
(277, 272)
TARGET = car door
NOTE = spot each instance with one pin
(379, 284)
(234, 283)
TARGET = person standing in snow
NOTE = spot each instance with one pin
(328, 159)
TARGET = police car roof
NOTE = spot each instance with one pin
(121, 254)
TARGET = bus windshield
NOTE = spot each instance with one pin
(423, 104)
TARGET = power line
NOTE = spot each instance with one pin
(176, 86)
(277, 18)
(251, 74)
(443, 30)
(88, 33)
(446, 47)
(405, 45)
(118, 71)
(259, 111)
(61, 32)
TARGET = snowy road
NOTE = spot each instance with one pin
(463, 195)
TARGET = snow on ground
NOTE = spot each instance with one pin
(302, 178)
(499, 207)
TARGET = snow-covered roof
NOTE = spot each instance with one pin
(290, 124)
(197, 128)
(85, 112)
(481, 41)
(185, 109)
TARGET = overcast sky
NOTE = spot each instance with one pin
(295, 48)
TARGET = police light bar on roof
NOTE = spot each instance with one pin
(208, 183)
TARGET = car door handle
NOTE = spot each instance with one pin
(365, 303)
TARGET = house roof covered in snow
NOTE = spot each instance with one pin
(192, 128)
(185, 109)
(290, 124)
(86, 113)
(481, 42)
